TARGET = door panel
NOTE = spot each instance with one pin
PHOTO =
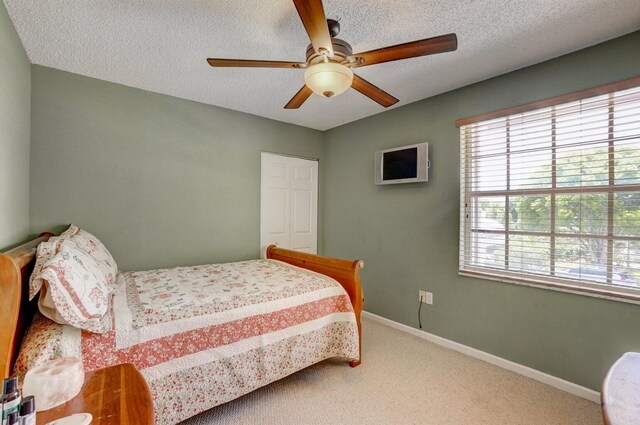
(275, 202)
(289, 203)
(302, 173)
(277, 207)
(304, 215)
(302, 207)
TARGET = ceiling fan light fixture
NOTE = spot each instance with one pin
(328, 78)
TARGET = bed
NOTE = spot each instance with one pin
(202, 335)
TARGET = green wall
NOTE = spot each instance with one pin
(408, 234)
(15, 94)
(162, 181)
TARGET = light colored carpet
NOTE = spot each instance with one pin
(404, 380)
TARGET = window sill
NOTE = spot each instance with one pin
(621, 296)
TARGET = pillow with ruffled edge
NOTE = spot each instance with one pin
(86, 241)
(76, 290)
(46, 250)
(92, 246)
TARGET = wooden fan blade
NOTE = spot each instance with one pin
(372, 92)
(300, 97)
(244, 63)
(312, 15)
(428, 46)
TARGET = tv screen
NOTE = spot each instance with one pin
(400, 164)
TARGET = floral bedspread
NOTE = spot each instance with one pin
(205, 335)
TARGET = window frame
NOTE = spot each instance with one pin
(631, 295)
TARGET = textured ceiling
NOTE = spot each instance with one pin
(162, 46)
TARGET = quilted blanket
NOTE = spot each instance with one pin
(205, 335)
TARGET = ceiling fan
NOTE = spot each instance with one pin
(329, 64)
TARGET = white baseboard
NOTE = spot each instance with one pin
(545, 378)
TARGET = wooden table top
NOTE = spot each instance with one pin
(113, 395)
(621, 391)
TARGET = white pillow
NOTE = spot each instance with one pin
(48, 308)
(45, 252)
(96, 249)
(85, 241)
(76, 290)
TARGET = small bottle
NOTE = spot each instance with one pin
(28, 411)
(10, 398)
(12, 418)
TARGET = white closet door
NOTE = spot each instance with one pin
(289, 203)
(304, 205)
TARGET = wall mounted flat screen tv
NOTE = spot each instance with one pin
(405, 164)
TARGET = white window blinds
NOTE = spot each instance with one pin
(551, 196)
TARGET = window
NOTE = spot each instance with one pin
(551, 196)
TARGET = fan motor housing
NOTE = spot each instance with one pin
(341, 50)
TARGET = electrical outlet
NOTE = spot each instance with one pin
(425, 297)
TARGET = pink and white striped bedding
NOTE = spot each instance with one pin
(204, 335)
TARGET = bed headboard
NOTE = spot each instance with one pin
(16, 311)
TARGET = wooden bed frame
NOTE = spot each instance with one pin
(346, 272)
(16, 312)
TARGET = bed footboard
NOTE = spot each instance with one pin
(346, 272)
